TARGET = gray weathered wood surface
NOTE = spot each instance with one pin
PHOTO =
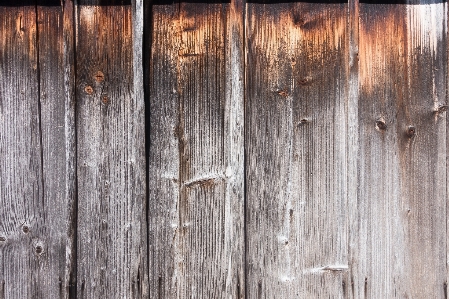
(223, 149)
(196, 151)
(36, 165)
(111, 176)
(296, 136)
(399, 248)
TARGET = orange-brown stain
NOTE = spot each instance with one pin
(389, 38)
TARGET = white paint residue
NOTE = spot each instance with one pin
(427, 25)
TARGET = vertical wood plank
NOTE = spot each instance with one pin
(36, 164)
(140, 287)
(21, 169)
(196, 151)
(401, 247)
(111, 161)
(70, 278)
(57, 145)
(353, 147)
(296, 137)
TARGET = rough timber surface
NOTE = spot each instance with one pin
(295, 143)
(196, 151)
(399, 247)
(36, 171)
(223, 149)
(110, 156)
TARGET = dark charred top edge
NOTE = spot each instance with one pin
(59, 2)
(169, 2)
(410, 2)
(104, 2)
(291, 1)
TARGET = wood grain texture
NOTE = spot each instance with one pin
(353, 145)
(22, 195)
(278, 150)
(36, 164)
(196, 151)
(110, 153)
(295, 142)
(400, 244)
(68, 35)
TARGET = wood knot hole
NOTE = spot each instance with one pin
(380, 124)
(25, 229)
(411, 131)
(99, 77)
(283, 93)
(105, 100)
(303, 121)
(88, 89)
(298, 20)
(305, 81)
(442, 108)
(39, 249)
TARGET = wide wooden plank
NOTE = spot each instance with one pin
(36, 160)
(295, 141)
(196, 165)
(400, 244)
(110, 156)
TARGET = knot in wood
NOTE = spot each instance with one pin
(442, 108)
(88, 89)
(305, 81)
(411, 131)
(380, 124)
(99, 77)
(39, 249)
(283, 93)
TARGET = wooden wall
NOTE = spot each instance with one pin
(223, 149)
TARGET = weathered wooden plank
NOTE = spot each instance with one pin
(36, 163)
(139, 116)
(296, 138)
(353, 145)
(400, 243)
(68, 35)
(196, 151)
(57, 145)
(22, 196)
(110, 153)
